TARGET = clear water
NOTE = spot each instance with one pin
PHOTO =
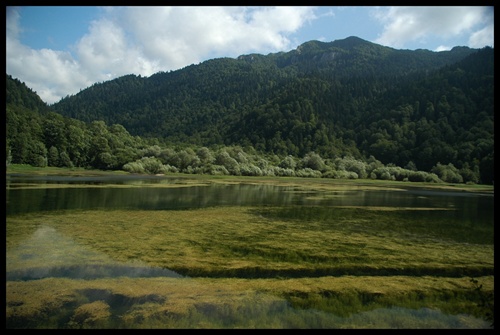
(151, 193)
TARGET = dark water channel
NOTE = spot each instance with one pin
(469, 206)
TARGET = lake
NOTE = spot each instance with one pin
(101, 251)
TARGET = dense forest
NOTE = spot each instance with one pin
(344, 109)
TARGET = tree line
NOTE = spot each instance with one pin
(40, 137)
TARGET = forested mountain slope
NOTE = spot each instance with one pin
(346, 97)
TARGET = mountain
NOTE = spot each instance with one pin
(19, 94)
(346, 97)
(198, 97)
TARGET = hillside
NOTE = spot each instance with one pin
(346, 97)
(208, 103)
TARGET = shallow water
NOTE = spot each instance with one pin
(48, 254)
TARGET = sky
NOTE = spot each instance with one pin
(59, 51)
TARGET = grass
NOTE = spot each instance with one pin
(51, 170)
(304, 183)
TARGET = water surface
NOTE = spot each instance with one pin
(58, 256)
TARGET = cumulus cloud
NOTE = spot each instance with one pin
(183, 35)
(404, 24)
(145, 40)
(52, 74)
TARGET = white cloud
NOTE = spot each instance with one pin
(145, 40)
(104, 43)
(407, 24)
(52, 74)
(483, 37)
(443, 48)
(180, 36)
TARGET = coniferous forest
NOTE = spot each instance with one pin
(343, 109)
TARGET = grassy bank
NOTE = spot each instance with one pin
(311, 183)
(50, 170)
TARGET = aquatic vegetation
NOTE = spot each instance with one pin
(267, 266)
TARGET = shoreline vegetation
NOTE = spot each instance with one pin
(320, 183)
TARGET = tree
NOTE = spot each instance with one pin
(64, 160)
(37, 154)
(78, 143)
(53, 156)
(447, 173)
(205, 156)
(313, 161)
(187, 158)
(54, 131)
(223, 158)
(288, 163)
(349, 163)
(411, 166)
(470, 175)
(385, 150)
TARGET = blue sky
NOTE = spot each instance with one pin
(58, 51)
